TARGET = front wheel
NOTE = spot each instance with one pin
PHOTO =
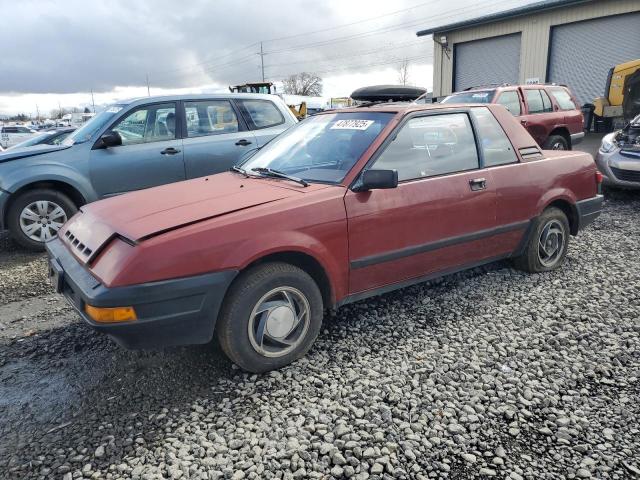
(547, 245)
(271, 316)
(36, 216)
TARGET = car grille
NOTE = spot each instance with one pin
(626, 175)
(76, 244)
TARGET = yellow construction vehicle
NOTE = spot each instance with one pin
(621, 95)
(300, 111)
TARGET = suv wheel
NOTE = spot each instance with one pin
(547, 245)
(271, 316)
(36, 216)
(556, 142)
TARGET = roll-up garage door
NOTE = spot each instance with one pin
(583, 52)
(491, 60)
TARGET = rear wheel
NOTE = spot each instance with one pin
(547, 245)
(556, 142)
(271, 316)
(36, 216)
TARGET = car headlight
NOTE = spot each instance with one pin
(608, 143)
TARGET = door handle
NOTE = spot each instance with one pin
(169, 151)
(524, 123)
(243, 142)
(478, 184)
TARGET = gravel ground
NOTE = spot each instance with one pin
(489, 373)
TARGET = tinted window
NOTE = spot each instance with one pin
(429, 146)
(538, 101)
(563, 98)
(496, 147)
(23, 130)
(511, 101)
(546, 101)
(262, 113)
(148, 124)
(10, 130)
(210, 117)
(482, 96)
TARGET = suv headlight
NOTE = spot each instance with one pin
(608, 144)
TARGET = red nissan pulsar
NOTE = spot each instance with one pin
(346, 205)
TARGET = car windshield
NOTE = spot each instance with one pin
(322, 148)
(85, 132)
(477, 96)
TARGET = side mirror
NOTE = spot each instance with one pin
(377, 179)
(110, 139)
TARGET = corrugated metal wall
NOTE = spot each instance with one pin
(535, 30)
(491, 60)
(583, 52)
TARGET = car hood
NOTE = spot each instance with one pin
(141, 215)
(17, 153)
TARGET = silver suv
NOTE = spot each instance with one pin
(130, 146)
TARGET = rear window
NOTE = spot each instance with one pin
(263, 113)
(563, 98)
(477, 96)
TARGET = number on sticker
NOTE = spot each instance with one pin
(352, 124)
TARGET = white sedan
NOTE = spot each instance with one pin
(12, 134)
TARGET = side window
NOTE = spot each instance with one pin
(23, 130)
(534, 101)
(210, 117)
(262, 113)
(563, 98)
(546, 102)
(430, 146)
(153, 123)
(511, 102)
(496, 147)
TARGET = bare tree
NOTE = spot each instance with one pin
(403, 72)
(303, 84)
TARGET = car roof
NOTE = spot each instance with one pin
(195, 96)
(406, 108)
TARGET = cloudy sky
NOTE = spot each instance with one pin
(58, 51)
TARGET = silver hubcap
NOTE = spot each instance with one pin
(557, 146)
(41, 220)
(551, 243)
(279, 322)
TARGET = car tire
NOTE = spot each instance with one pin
(547, 244)
(19, 220)
(556, 142)
(262, 325)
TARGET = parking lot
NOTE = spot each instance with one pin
(488, 373)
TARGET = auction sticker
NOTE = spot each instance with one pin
(352, 124)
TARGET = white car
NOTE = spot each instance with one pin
(12, 134)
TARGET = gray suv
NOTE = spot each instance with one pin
(130, 146)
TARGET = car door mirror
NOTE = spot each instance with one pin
(109, 139)
(377, 179)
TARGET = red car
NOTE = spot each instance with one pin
(346, 205)
(550, 113)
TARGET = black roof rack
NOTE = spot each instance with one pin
(387, 93)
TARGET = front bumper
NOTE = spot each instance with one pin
(170, 312)
(589, 210)
(626, 166)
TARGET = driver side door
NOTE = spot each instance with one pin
(150, 154)
(438, 216)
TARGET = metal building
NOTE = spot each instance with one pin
(574, 42)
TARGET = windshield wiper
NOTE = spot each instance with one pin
(236, 168)
(278, 174)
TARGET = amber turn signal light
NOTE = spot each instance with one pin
(111, 315)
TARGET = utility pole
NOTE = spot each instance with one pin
(262, 61)
(93, 102)
(38, 113)
(59, 110)
(148, 90)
